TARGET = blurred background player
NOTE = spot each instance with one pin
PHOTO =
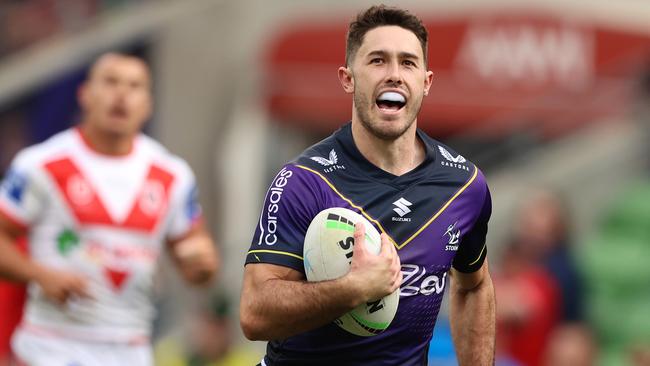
(539, 286)
(99, 203)
(431, 205)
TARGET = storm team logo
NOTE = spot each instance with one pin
(454, 237)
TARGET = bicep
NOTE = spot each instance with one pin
(289, 206)
(472, 249)
(463, 281)
(256, 274)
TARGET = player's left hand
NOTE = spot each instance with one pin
(197, 259)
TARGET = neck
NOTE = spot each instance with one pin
(397, 156)
(106, 143)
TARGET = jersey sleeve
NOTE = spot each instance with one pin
(22, 190)
(289, 206)
(472, 250)
(186, 211)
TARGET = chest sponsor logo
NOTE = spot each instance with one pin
(119, 261)
(330, 164)
(402, 209)
(453, 235)
(451, 160)
(268, 223)
(417, 281)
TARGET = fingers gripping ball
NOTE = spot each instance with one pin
(327, 255)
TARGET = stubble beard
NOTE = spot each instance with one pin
(363, 107)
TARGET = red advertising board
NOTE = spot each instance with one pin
(493, 73)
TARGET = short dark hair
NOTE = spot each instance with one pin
(381, 15)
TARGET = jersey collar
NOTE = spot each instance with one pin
(345, 140)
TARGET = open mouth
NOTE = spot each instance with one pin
(118, 112)
(390, 101)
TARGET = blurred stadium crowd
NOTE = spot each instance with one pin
(552, 101)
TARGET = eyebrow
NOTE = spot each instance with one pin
(402, 55)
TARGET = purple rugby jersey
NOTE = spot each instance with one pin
(437, 215)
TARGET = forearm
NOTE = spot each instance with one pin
(280, 308)
(14, 265)
(472, 317)
(196, 257)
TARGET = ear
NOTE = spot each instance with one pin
(347, 79)
(82, 94)
(428, 80)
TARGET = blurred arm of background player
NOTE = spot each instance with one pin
(472, 316)
(277, 302)
(57, 285)
(195, 256)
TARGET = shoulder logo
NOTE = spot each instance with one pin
(14, 185)
(402, 209)
(331, 162)
(333, 159)
(454, 237)
(452, 161)
(447, 155)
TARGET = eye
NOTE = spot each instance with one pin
(110, 80)
(409, 63)
(376, 60)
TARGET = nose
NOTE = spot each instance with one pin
(393, 74)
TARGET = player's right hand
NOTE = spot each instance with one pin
(375, 275)
(60, 286)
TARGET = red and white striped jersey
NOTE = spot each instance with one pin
(105, 217)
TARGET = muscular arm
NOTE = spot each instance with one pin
(277, 302)
(472, 316)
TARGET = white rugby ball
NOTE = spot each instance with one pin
(327, 254)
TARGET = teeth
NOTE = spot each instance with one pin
(392, 97)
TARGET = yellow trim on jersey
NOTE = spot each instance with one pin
(348, 201)
(440, 211)
(443, 208)
(274, 252)
(479, 256)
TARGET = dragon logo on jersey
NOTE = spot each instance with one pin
(452, 161)
(454, 237)
(331, 163)
(79, 191)
(152, 198)
(66, 241)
